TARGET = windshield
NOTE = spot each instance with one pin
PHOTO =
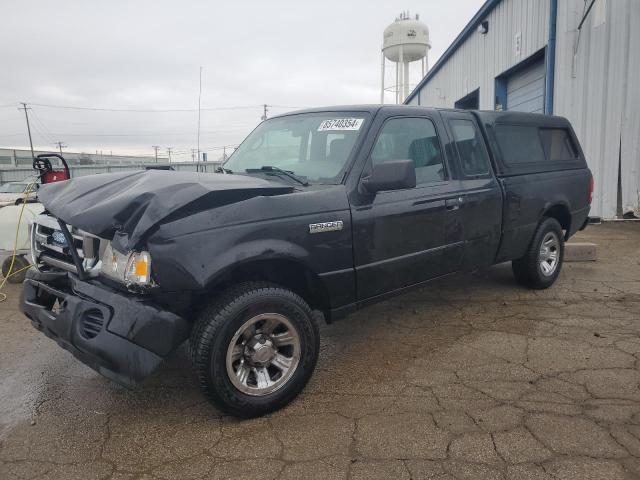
(314, 146)
(13, 187)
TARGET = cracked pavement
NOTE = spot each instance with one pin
(472, 377)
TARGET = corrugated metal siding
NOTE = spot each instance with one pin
(598, 91)
(481, 58)
(525, 89)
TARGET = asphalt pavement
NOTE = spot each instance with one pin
(472, 377)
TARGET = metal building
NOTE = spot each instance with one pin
(15, 157)
(576, 58)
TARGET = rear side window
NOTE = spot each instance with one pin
(519, 144)
(473, 156)
(557, 144)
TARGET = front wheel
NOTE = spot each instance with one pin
(254, 348)
(540, 266)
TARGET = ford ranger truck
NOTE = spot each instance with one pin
(316, 214)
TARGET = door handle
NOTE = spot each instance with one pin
(453, 203)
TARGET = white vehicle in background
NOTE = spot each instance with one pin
(16, 219)
(13, 193)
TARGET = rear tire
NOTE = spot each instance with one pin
(254, 348)
(541, 264)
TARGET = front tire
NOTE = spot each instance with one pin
(540, 266)
(254, 348)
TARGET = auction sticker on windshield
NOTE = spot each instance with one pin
(341, 124)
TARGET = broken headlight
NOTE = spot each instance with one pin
(132, 268)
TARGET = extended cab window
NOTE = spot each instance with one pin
(414, 139)
(557, 144)
(470, 145)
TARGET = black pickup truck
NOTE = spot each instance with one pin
(316, 214)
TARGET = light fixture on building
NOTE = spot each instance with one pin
(483, 28)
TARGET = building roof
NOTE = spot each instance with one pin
(462, 36)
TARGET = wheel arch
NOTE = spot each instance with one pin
(286, 271)
(561, 212)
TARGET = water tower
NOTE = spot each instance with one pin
(405, 41)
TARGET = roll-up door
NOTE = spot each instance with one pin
(525, 89)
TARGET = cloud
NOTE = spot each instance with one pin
(147, 55)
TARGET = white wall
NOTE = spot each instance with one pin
(599, 91)
(481, 58)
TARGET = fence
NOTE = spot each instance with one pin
(18, 174)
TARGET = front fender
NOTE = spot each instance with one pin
(194, 267)
(255, 251)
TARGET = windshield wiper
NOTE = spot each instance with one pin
(221, 169)
(287, 173)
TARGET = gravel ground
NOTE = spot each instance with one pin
(472, 377)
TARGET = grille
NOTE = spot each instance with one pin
(91, 323)
(50, 249)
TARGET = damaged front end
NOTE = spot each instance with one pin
(114, 326)
(92, 288)
(122, 335)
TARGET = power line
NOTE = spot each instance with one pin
(149, 110)
(41, 127)
(40, 133)
(138, 134)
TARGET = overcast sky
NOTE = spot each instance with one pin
(146, 55)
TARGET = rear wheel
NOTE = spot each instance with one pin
(540, 266)
(254, 348)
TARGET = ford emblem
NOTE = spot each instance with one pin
(58, 238)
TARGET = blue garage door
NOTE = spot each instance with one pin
(525, 89)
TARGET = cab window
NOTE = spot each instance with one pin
(411, 139)
(470, 146)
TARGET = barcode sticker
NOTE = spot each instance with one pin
(341, 124)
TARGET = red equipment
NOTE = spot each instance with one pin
(47, 174)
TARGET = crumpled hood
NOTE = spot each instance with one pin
(125, 206)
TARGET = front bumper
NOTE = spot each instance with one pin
(122, 336)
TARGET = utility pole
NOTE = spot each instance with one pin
(156, 148)
(264, 114)
(26, 115)
(61, 145)
(193, 154)
(169, 153)
(199, 100)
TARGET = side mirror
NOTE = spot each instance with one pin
(391, 175)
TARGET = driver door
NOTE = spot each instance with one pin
(404, 237)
